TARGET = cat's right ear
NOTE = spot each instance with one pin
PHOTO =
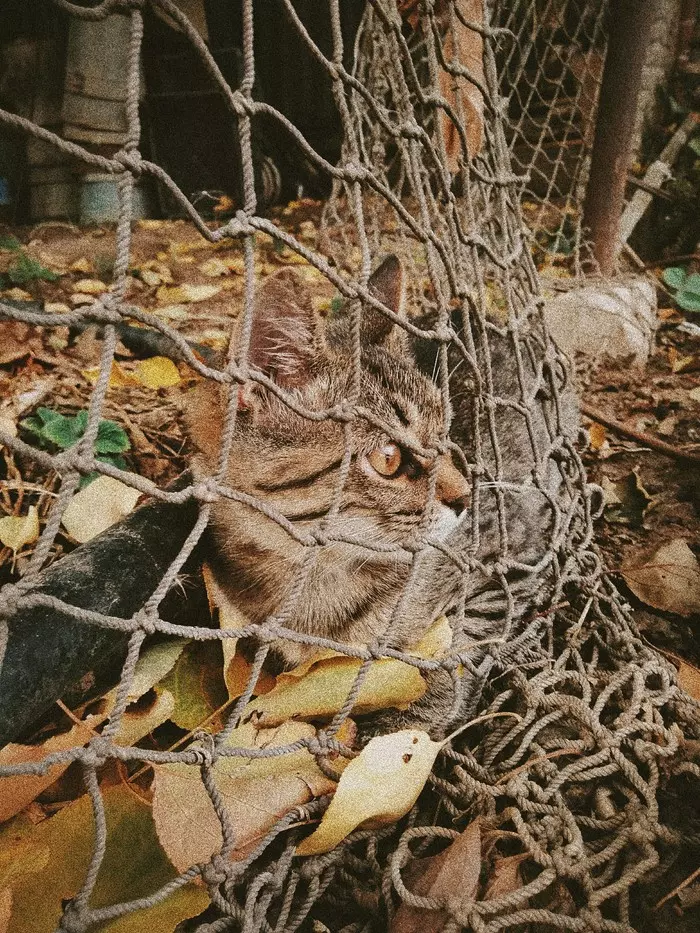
(283, 335)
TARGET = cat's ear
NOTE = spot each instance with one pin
(387, 285)
(282, 340)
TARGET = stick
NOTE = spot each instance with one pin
(647, 439)
(656, 175)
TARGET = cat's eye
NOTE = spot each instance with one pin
(385, 460)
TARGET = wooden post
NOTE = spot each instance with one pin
(630, 27)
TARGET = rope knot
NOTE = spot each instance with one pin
(10, 599)
(147, 621)
(205, 751)
(238, 226)
(206, 490)
(130, 159)
(215, 872)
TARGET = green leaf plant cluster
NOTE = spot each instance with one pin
(685, 288)
(23, 268)
(53, 431)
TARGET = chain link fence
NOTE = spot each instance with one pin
(580, 727)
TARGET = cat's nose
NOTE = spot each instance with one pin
(451, 488)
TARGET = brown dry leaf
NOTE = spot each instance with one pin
(380, 785)
(626, 501)
(694, 394)
(256, 792)
(668, 580)
(689, 679)
(18, 340)
(18, 530)
(17, 294)
(505, 876)
(436, 642)
(325, 688)
(184, 294)
(97, 507)
(82, 265)
(158, 372)
(451, 875)
(683, 363)
(155, 272)
(596, 435)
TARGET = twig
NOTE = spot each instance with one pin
(678, 889)
(678, 453)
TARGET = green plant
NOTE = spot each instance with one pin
(24, 269)
(54, 431)
(685, 288)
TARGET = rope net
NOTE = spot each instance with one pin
(579, 725)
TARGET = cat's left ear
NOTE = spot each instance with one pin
(283, 337)
(387, 285)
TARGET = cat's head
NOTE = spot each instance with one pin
(294, 464)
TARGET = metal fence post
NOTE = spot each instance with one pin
(630, 28)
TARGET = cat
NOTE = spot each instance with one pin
(293, 465)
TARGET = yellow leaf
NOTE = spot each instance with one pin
(18, 530)
(381, 785)
(183, 294)
(158, 372)
(117, 376)
(154, 663)
(596, 434)
(97, 507)
(436, 642)
(325, 688)
(90, 287)
(214, 267)
(82, 265)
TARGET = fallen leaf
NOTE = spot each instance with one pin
(689, 679)
(56, 307)
(214, 267)
(155, 272)
(596, 435)
(683, 363)
(325, 688)
(505, 876)
(184, 294)
(17, 341)
(172, 312)
(82, 298)
(118, 376)
(196, 682)
(694, 394)
(626, 501)
(18, 530)
(451, 875)
(381, 785)
(97, 507)
(82, 265)
(138, 721)
(90, 287)
(436, 642)
(19, 790)
(17, 294)
(256, 792)
(668, 580)
(158, 372)
(38, 898)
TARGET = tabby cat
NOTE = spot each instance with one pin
(343, 590)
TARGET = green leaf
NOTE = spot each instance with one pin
(64, 432)
(694, 145)
(111, 438)
(25, 270)
(197, 683)
(336, 304)
(674, 276)
(9, 242)
(689, 301)
(692, 284)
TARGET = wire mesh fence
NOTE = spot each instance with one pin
(407, 457)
